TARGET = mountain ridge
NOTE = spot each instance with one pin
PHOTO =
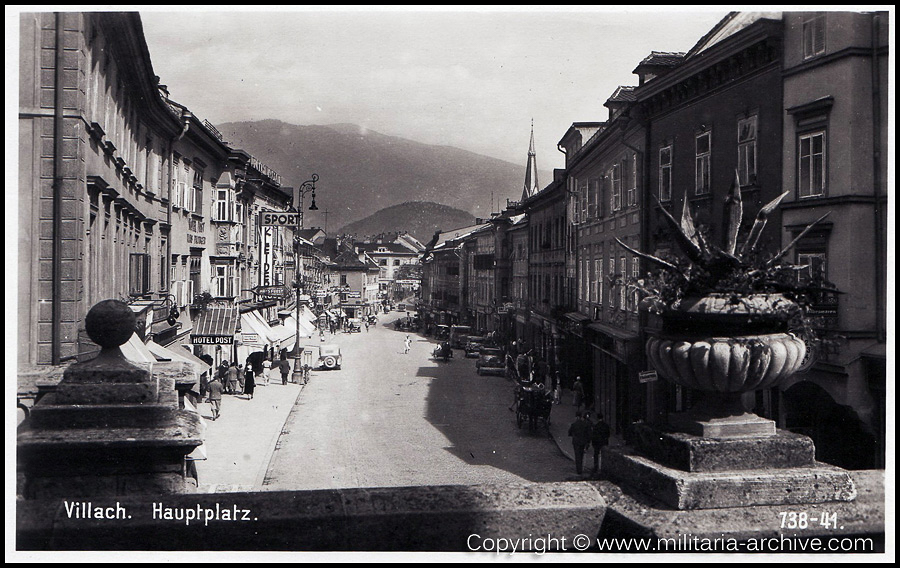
(420, 218)
(362, 171)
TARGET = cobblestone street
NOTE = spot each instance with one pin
(390, 419)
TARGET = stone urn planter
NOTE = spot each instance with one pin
(724, 346)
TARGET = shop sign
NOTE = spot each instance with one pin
(276, 219)
(212, 339)
(647, 377)
(276, 292)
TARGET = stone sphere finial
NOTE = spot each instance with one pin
(110, 323)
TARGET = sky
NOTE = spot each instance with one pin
(469, 77)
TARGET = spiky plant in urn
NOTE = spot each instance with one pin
(732, 318)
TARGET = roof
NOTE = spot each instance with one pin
(349, 260)
(728, 26)
(392, 249)
(310, 234)
(217, 322)
(453, 234)
(661, 59)
(623, 94)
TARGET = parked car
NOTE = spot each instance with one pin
(330, 357)
(401, 307)
(354, 325)
(442, 331)
(474, 345)
(490, 362)
(459, 334)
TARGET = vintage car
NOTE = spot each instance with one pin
(459, 334)
(490, 362)
(330, 357)
(354, 325)
(474, 345)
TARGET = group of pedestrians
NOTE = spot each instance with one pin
(234, 379)
(587, 432)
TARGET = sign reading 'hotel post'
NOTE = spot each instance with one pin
(212, 339)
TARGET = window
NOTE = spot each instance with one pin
(583, 191)
(812, 164)
(222, 205)
(665, 173)
(187, 189)
(592, 279)
(593, 191)
(396, 262)
(238, 236)
(176, 183)
(813, 35)
(623, 273)
(382, 262)
(612, 271)
(194, 282)
(221, 280)
(635, 274)
(632, 188)
(139, 274)
(701, 184)
(747, 151)
(197, 192)
(815, 266)
(598, 266)
(343, 279)
(163, 267)
(615, 176)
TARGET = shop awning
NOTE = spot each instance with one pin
(185, 351)
(165, 354)
(254, 331)
(215, 326)
(306, 328)
(577, 317)
(307, 313)
(613, 331)
(135, 350)
(281, 335)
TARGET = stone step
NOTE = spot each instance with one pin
(725, 489)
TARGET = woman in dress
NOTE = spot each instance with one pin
(249, 384)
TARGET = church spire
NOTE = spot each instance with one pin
(531, 179)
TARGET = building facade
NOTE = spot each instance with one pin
(126, 194)
(835, 134)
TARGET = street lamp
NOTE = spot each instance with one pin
(309, 186)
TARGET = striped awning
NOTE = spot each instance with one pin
(215, 326)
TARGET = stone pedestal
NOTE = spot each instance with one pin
(685, 471)
(110, 428)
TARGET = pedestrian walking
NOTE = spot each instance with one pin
(267, 368)
(556, 387)
(580, 432)
(215, 396)
(285, 366)
(231, 382)
(249, 383)
(367, 326)
(599, 439)
(406, 343)
(240, 378)
(578, 394)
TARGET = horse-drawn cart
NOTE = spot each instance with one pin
(533, 405)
